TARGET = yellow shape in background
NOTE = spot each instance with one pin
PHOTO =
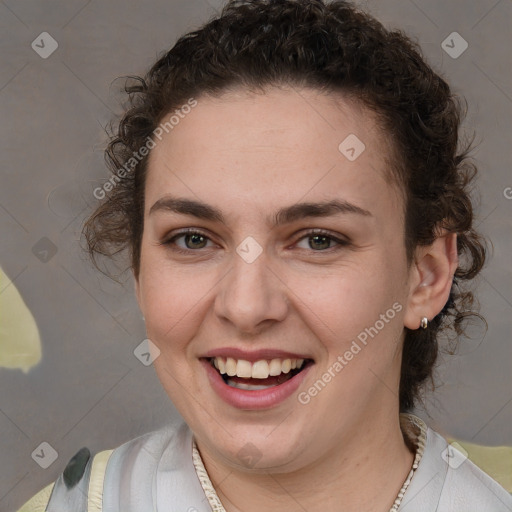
(20, 343)
(494, 460)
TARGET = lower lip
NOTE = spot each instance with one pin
(257, 399)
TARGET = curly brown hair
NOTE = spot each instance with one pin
(331, 47)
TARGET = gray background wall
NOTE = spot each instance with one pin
(89, 389)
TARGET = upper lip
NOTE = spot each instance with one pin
(254, 355)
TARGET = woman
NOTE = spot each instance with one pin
(288, 184)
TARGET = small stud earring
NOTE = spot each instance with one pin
(424, 322)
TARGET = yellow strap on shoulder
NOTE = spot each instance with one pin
(95, 494)
(39, 501)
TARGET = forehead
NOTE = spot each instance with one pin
(278, 146)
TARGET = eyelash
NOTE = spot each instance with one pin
(313, 232)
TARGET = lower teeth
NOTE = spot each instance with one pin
(251, 387)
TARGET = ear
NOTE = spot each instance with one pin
(431, 278)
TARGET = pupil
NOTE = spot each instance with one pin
(194, 238)
(317, 239)
(326, 244)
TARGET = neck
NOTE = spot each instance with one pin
(365, 474)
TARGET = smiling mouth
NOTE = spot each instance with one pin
(262, 374)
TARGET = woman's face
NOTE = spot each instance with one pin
(255, 285)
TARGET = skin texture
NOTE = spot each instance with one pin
(249, 155)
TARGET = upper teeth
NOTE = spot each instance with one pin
(258, 370)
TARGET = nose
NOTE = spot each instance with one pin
(252, 295)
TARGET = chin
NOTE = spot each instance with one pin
(255, 448)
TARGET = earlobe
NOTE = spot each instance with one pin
(432, 279)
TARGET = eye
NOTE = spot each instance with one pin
(319, 240)
(192, 240)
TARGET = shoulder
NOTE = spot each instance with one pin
(86, 478)
(154, 472)
(67, 488)
(447, 481)
(466, 485)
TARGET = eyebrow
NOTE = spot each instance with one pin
(284, 215)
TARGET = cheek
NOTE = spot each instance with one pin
(357, 305)
(342, 300)
(172, 304)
